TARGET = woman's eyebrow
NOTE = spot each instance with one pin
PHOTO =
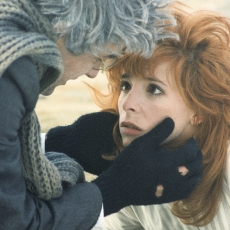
(156, 79)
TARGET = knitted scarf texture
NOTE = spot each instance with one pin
(25, 32)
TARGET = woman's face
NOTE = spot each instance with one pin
(144, 103)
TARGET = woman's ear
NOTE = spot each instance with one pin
(196, 120)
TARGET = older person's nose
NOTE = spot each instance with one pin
(92, 73)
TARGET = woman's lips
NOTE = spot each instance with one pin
(129, 128)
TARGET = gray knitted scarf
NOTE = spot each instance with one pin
(24, 31)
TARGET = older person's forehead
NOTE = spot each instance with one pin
(113, 51)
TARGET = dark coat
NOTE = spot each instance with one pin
(79, 206)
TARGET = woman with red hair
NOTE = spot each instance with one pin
(197, 69)
(187, 80)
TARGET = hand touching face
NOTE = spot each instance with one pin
(145, 102)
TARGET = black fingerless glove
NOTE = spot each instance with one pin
(85, 140)
(140, 167)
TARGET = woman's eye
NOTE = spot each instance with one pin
(154, 89)
(125, 86)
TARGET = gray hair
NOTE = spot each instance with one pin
(107, 26)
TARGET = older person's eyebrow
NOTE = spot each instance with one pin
(125, 76)
(111, 56)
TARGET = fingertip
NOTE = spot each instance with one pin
(192, 142)
(166, 123)
(191, 147)
(164, 129)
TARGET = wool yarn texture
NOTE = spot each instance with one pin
(24, 31)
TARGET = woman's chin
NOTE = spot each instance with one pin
(126, 143)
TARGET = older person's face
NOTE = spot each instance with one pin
(74, 66)
(143, 103)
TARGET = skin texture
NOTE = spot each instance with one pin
(74, 66)
(145, 102)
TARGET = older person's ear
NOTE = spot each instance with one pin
(196, 120)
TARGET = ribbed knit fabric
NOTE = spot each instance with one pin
(25, 32)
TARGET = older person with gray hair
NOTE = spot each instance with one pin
(44, 43)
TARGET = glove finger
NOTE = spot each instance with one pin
(185, 189)
(180, 190)
(195, 167)
(187, 153)
(194, 181)
(181, 187)
(157, 134)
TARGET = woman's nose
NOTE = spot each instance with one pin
(131, 102)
